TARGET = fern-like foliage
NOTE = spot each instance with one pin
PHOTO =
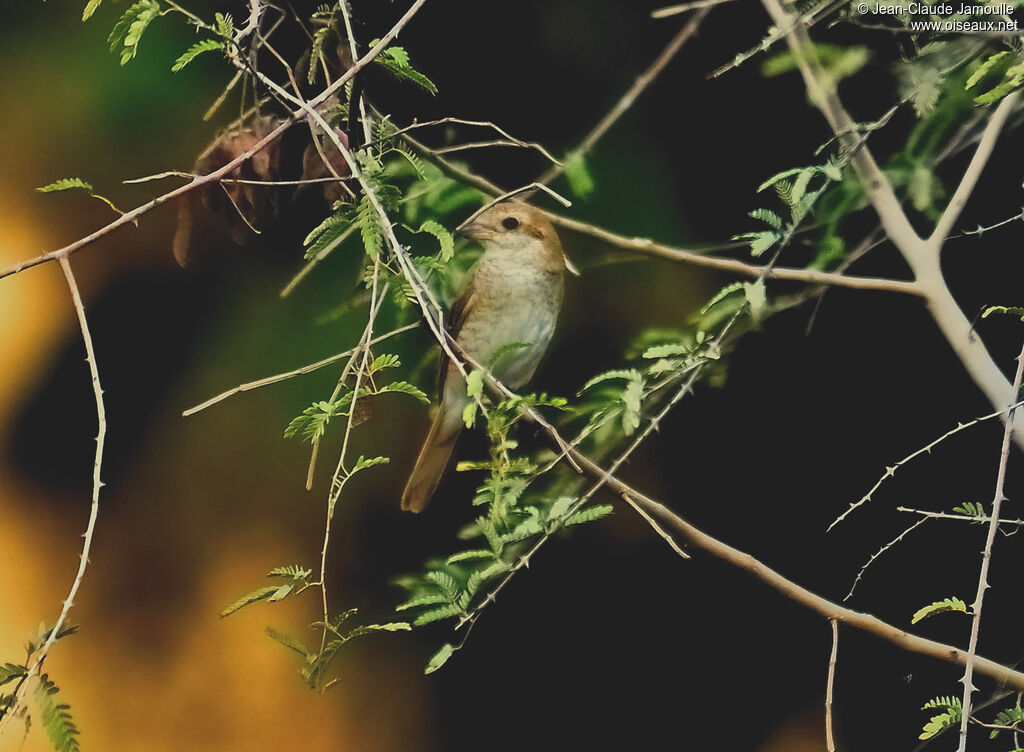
(312, 424)
(55, 717)
(297, 575)
(975, 510)
(206, 45)
(128, 30)
(395, 60)
(316, 663)
(952, 712)
(940, 607)
(66, 184)
(1010, 719)
(90, 8)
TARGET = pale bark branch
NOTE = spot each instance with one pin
(921, 255)
(830, 682)
(986, 556)
(973, 172)
(94, 508)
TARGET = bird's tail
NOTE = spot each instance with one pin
(430, 466)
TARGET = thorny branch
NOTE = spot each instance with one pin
(94, 508)
(986, 555)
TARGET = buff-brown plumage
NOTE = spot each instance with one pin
(513, 296)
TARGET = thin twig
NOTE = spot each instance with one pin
(959, 517)
(830, 739)
(986, 556)
(879, 552)
(134, 214)
(94, 507)
(267, 381)
(973, 172)
(675, 10)
(926, 449)
(643, 81)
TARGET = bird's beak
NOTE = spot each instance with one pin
(474, 230)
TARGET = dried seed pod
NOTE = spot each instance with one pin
(239, 208)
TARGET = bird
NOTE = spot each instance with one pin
(503, 320)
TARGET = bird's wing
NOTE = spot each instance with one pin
(457, 317)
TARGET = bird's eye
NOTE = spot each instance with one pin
(510, 223)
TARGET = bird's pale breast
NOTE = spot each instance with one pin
(514, 303)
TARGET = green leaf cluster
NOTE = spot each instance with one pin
(128, 30)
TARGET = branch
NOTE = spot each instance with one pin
(926, 449)
(922, 255)
(970, 178)
(643, 81)
(249, 386)
(653, 249)
(822, 91)
(688, 534)
(986, 555)
(676, 254)
(94, 508)
(134, 214)
(830, 739)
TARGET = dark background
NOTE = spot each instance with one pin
(609, 639)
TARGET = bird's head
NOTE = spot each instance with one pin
(515, 228)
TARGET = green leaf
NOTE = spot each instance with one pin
(768, 217)
(577, 172)
(444, 237)
(254, 597)
(404, 387)
(225, 25)
(424, 600)
(840, 62)
(316, 55)
(759, 241)
(369, 227)
(313, 422)
(384, 361)
(469, 414)
(11, 671)
(630, 374)
(474, 555)
(55, 717)
(293, 571)
(590, 514)
(722, 294)
(985, 68)
(396, 61)
(363, 463)
(440, 658)
(757, 299)
(444, 581)
(1011, 310)
(90, 8)
(948, 719)
(66, 184)
(128, 30)
(207, 45)
(921, 83)
(971, 509)
(292, 643)
(939, 607)
(631, 398)
(437, 614)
